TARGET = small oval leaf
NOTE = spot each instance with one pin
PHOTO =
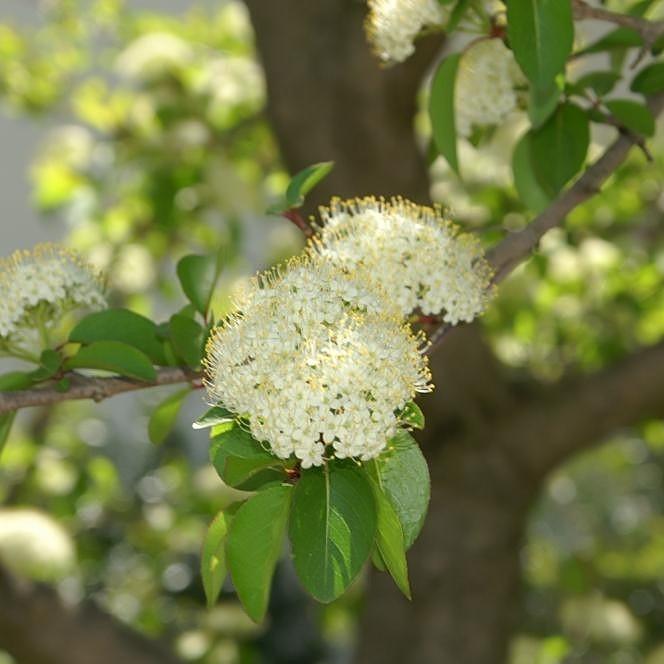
(213, 558)
(116, 357)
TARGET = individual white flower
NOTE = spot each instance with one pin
(421, 259)
(487, 87)
(393, 25)
(40, 286)
(153, 55)
(316, 365)
(33, 544)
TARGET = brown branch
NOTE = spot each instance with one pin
(36, 627)
(97, 389)
(573, 417)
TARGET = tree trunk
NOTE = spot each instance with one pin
(328, 98)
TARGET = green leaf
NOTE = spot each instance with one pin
(403, 475)
(633, 115)
(304, 181)
(617, 39)
(237, 456)
(389, 540)
(49, 365)
(164, 416)
(187, 339)
(255, 541)
(213, 558)
(542, 103)
(601, 82)
(198, 277)
(412, 415)
(559, 148)
(6, 421)
(15, 380)
(541, 34)
(650, 79)
(529, 189)
(332, 529)
(214, 416)
(441, 109)
(116, 357)
(124, 326)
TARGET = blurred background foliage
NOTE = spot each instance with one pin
(162, 147)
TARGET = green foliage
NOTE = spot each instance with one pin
(237, 456)
(116, 357)
(124, 326)
(187, 337)
(255, 540)
(214, 416)
(441, 109)
(164, 416)
(198, 277)
(213, 557)
(6, 421)
(650, 79)
(541, 34)
(412, 415)
(529, 189)
(332, 528)
(403, 476)
(633, 115)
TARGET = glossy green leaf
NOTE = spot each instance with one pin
(187, 338)
(164, 416)
(412, 415)
(237, 456)
(541, 34)
(124, 326)
(6, 421)
(633, 115)
(49, 365)
(403, 475)
(527, 186)
(304, 181)
(254, 544)
(332, 528)
(198, 278)
(390, 541)
(214, 416)
(213, 558)
(559, 148)
(116, 357)
(441, 109)
(15, 380)
(650, 79)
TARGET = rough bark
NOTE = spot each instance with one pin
(37, 628)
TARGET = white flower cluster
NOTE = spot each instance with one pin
(487, 86)
(153, 55)
(319, 363)
(422, 260)
(393, 25)
(40, 286)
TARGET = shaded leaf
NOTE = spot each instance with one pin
(164, 416)
(332, 528)
(633, 115)
(601, 82)
(542, 103)
(527, 186)
(650, 79)
(213, 558)
(187, 338)
(559, 148)
(254, 544)
(441, 109)
(116, 357)
(6, 421)
(389, 540)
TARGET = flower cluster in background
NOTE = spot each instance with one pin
(487, 86)
(393, 25)
(39, 287)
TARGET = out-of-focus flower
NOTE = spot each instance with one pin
(153, 56)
